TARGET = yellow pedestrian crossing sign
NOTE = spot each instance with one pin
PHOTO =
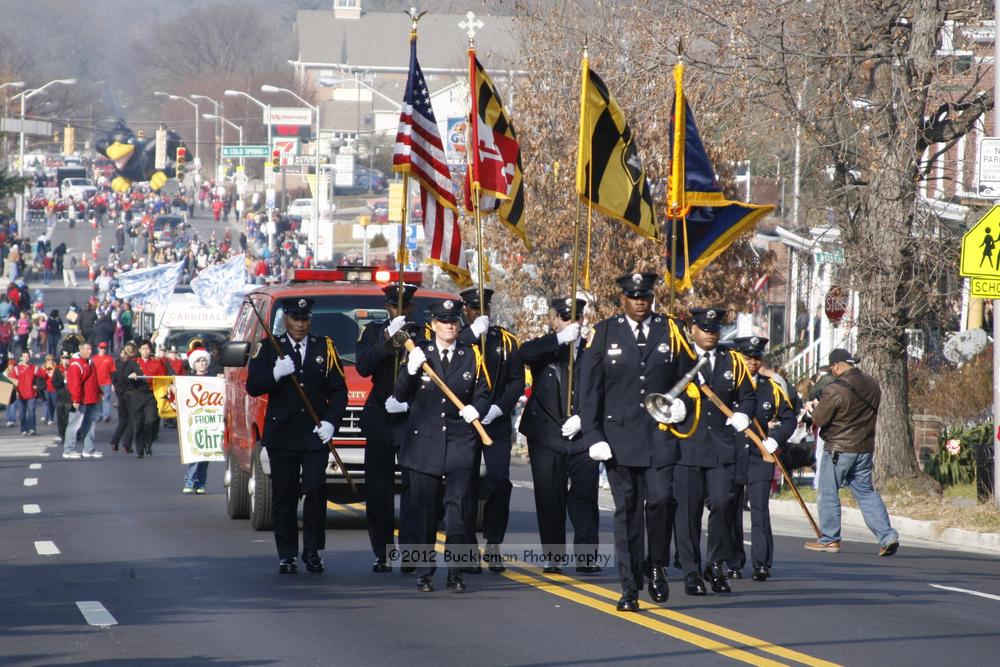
(981, 248)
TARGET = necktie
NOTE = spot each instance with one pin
(444, 359)
(711, 363)
(298, 352)
(640, 336)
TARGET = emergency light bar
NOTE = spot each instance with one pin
(353, 274)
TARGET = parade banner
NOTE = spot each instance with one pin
(200, 417)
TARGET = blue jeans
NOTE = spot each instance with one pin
(85, 419)
(50, 406)
(855, 472)
(197, 475)
(106, 401)
(27, 409)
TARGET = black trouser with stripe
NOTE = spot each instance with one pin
(423, 514)
(550, 472)
(285, 466)
(380, 461)
(641, 496)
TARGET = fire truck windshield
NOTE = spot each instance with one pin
(342, 317)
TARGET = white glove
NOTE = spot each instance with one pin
(600, 451)
(394, 407)
(282, 367)
(678, 411)
(571, 427)
(480, 325)
(415, 361)
(469, 414)
(569, 334)
(739, 421)
(396, 324)
(324, 431)
(771, 445)
(492, 414)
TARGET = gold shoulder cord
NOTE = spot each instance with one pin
(332, 360)
(481, 366)
(742, 372)
(780, 395)
(694, 394)
(677, 340)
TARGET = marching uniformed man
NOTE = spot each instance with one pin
(630, 356)
(290, 438)
(380, 356)
(504, 373)
(775, 419)
(439, 447)
(707, 463)
(564, 476)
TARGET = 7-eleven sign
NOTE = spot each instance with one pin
(289, 148)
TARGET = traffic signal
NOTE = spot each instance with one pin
(69, 140)
(276, 160)
(180, 161)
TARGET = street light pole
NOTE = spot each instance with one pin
(316, 192)
(24, 95)
(263, 105)
(197, 117)
(217, 110)
(233, 125)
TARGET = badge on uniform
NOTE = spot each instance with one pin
(767, 406)
(728, 375)
(466, 376)
(319, 359)
(614, 353)
(662, 348)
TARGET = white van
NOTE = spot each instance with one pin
(184, 318)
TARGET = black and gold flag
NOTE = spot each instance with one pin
(609, 173)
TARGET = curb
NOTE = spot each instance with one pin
(905, 526)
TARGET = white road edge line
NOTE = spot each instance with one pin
(95, 614)
(31, 509)
(31, 481)
(988, 596)
(47, 548)
(35, 466)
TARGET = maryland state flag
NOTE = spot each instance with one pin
(707, 223)
(496, 159)
(609, 173)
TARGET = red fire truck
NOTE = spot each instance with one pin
(346, 299)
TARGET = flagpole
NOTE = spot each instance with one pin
(401, 253)
(473, 152)
(678, 184)
(585, 67)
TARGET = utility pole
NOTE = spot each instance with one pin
(996, 302)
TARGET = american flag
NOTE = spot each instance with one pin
(420, 153)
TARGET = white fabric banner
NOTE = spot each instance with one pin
(201, 418)
(151, 286)
(222, 286)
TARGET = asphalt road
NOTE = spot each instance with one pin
(106, 563)
(183, 584)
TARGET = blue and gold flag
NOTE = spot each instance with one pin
(707, 223)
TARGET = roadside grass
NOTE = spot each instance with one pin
(956, 507)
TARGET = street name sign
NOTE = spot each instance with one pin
(246, 151)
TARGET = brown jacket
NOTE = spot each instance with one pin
(846, 414)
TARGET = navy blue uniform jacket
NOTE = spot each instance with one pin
(504, 372)
(437, 439)
(545, 412)
(615, 378)
(777, 417)
(377, 359)
(287, 424)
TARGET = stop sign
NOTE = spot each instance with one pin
(835, 304)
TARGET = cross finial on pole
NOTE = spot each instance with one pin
(470, 25)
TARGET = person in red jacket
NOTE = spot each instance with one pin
(142, 403)
(26, 375)
(104, 364)
(81, 380)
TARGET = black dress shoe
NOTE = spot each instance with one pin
(312, 560)
(658, 589)
(456, 582)
(287, 566)
(551, 569)
(717, 578)
(629, 601)
(493, 558)
(588, 569)
(380, 566)
(734, 573)
(424, 585)
(693, 584)
(761, 572)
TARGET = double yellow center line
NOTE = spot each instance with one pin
(709, 636)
